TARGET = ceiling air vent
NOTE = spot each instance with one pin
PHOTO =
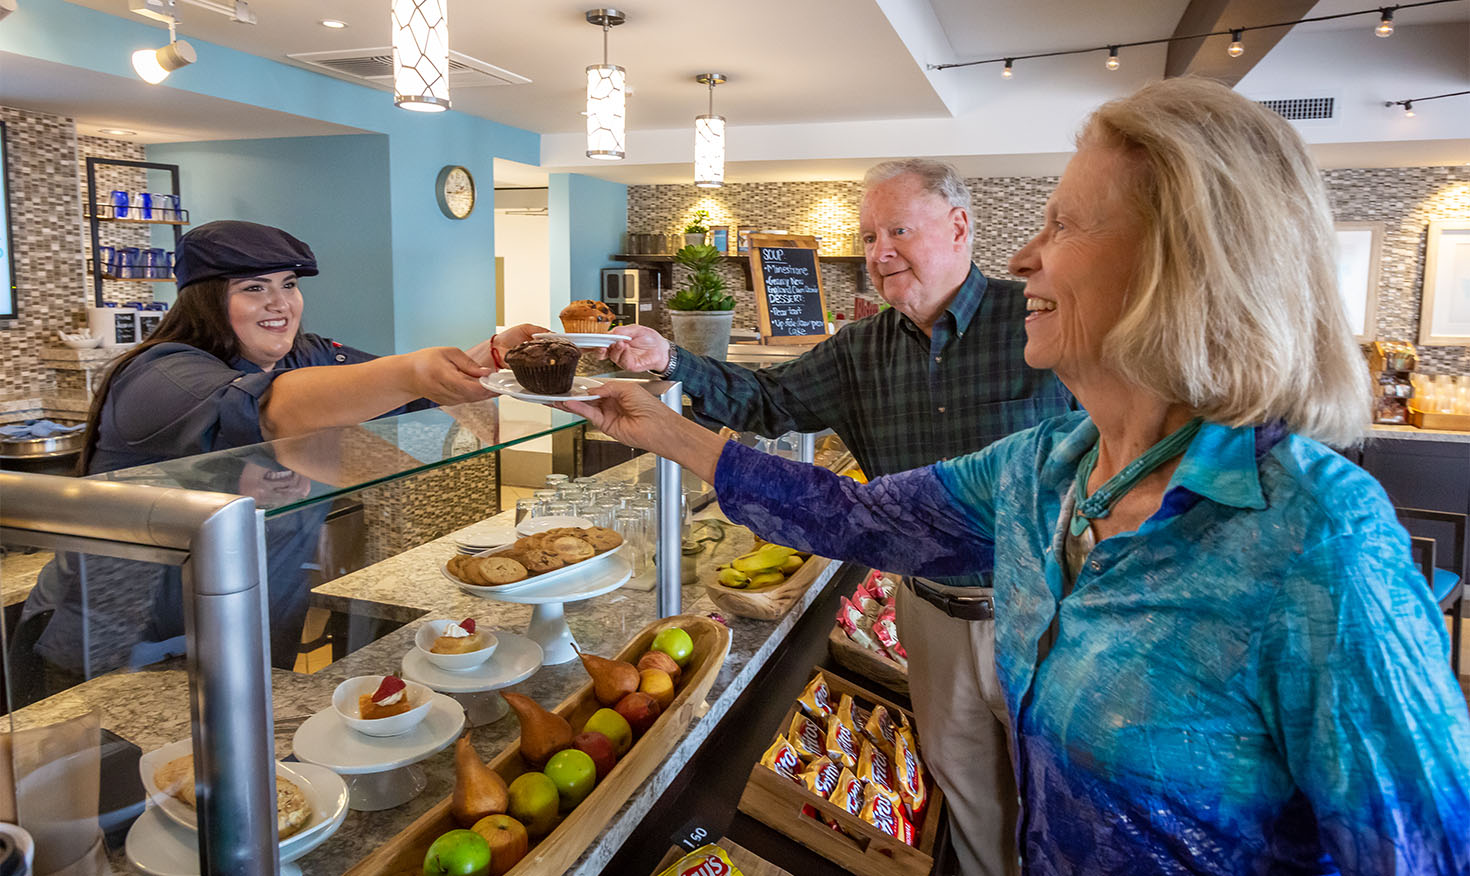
(375, 67)
(1301, 109)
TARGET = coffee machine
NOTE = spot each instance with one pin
(636, 296)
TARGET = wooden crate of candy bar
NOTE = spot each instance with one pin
(863, 830)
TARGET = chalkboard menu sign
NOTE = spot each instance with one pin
(788, 288)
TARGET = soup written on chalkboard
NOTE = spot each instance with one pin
(788, 288)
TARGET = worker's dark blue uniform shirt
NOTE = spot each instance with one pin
(175, 400)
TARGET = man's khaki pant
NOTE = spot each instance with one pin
(959, 711)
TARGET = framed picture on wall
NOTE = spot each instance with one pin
(1358, 247)
(719, 237)
(1444, 315)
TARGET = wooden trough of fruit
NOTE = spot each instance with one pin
(769, 602)
(559, 849)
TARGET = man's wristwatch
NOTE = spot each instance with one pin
(673, 362)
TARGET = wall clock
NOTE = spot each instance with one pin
(455, 191)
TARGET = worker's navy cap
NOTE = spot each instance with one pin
(231, 248)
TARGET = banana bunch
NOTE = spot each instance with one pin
(767, 565)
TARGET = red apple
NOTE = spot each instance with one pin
(640, 711)
(599, 748)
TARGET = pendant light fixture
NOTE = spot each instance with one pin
(607, 95)
(421, 55)
(1006, 73)
(1236, 47)
(1385, 22)
(709, 139)
(1112, 63)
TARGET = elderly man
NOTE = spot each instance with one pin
(937, 376)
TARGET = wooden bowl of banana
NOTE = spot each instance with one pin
(763, 583)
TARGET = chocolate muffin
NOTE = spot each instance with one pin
(545, 367)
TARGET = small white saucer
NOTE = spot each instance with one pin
(158, 845)
(586, 340)
(504, 382)
(533, 525)
(324, 740)
(516, 659)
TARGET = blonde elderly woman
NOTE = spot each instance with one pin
(1216, 652)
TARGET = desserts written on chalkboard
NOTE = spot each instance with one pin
(789, 296)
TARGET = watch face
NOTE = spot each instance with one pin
(456, 192)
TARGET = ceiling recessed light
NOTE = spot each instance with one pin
(333, 23)
(118, 131)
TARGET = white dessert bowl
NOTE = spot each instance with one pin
(81, 341)
(424, 638)
(344, 700)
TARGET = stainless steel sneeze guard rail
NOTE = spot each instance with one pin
(219, 541)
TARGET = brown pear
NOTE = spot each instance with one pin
(478, 790)
(543, 733)
(611, 679)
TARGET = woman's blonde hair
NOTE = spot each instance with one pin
(1235, 310)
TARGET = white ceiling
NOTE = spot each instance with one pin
(819, 89)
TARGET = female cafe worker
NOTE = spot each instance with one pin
(228, 367)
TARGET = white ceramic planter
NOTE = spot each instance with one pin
(694, 240)
(706, 332)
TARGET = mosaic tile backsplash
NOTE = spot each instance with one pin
(1007, 212)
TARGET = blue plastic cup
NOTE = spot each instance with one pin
(145, 205)
(120, 204)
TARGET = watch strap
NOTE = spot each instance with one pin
(673, 362)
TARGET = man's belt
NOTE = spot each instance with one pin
(980, 606)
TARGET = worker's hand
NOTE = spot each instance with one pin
(502, 343)
(627, 413)
(644, 349)
(446, 375)
(272, 487)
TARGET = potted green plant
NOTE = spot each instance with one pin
(695, 231)
(702, 311)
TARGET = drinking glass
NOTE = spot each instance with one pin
(526, 508)
(629, 524)
(120, 204)
(648, 510)
(603, 513)
(543, 498)
(145, 205)
(1444, 394)
(559, 509)
(1462, 394)
(555, 480)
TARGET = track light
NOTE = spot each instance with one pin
(1236, 49)
(1385, 26)
(1006, 73)
(154, 65)
(1112, 58)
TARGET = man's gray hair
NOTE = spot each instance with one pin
(937, 177)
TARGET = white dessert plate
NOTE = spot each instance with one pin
(325, 740)
(504, 382)
(482, 537)
(608, 577)
(556, 577)
(176, 809)
(516, 659)
(589, 340)
(533, 525)
(161, 846)
(426, 635)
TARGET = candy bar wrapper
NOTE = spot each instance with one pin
(848, 794)
(782, 757)
(845, 707)
(708, 859)
(879, 728)
(882, 809)
(854, 624)
(866, 603)
(874, 767)
(909, 772)
(841, 743)
(817, 699)
(821, 777)
(885, 629)
(886, 586)
(806, 737)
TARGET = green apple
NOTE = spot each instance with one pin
(533, 802)
(574, 774)
(458, 853)
(612, 725)
(675, 643)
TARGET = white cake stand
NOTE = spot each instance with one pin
(381, 771)
(548, 619)
(516, 659)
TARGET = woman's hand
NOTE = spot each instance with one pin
(644, 350)
(446, 375)
(634, 416)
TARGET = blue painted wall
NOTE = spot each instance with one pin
(328, 191)
(443, 271)
(588, 218)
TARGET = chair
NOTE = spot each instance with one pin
(1445, 570)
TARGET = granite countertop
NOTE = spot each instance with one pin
(1414, 433)
(150, 708)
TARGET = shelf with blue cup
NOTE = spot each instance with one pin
(124, 213)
